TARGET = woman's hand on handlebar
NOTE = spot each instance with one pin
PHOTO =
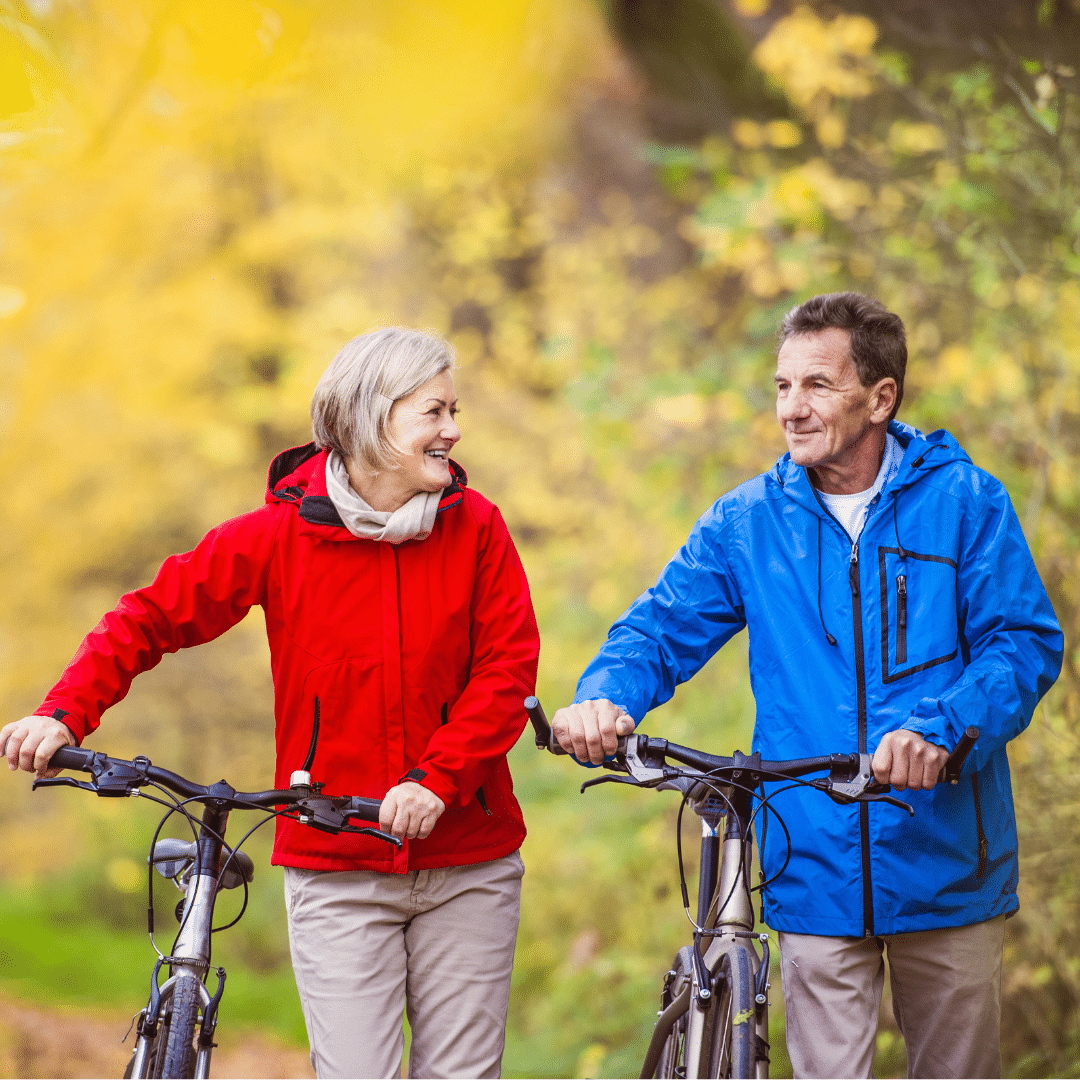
(409, 811)
(904, 759)
(590, 730)
(30, 742)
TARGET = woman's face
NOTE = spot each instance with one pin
(423, 426)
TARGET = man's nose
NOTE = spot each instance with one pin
(792, 406)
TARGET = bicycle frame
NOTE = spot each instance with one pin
(725, 909)
(190, 957)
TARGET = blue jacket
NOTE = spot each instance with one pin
(940, 621)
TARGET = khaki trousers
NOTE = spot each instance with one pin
(435, 944)
(946, 990)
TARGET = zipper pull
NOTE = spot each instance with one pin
(901, 598)
(853, 570)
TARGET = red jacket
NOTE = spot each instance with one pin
(420, 655)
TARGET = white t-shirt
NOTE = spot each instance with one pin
(850, 510)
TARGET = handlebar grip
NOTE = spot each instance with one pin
(72, 757)
(545, 740)
(956, 759)
(366, 809)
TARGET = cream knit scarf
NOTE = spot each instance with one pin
(413, 521)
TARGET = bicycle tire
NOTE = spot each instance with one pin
(179, 1060)
(734, 1043)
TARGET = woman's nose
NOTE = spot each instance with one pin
(450, 430)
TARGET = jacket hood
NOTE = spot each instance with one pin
(298, 476)
(922, 455)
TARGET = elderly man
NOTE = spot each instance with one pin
(891, 601)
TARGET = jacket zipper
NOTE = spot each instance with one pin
(860, 687)
(481, 798)
(901, 619)
(981, 868)
(860, 679)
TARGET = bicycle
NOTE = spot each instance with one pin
(175, 1030)
(714, 1006)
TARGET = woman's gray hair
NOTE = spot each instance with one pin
(350, 409)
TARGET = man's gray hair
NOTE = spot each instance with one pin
(350, 409)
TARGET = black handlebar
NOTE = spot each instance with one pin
(654, 752)
(71, 757)
(545, 738)
(951, 773)
(117, 777)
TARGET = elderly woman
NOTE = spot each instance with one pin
(397, 607)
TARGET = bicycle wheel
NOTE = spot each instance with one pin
(179, 1059)
(734, 1052)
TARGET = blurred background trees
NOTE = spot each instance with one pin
(607, 207)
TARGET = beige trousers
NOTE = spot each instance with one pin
(435, 944)
(946, 990)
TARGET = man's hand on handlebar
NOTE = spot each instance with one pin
(904, 759)
(30, 742)
(590, 730)
(409, 811)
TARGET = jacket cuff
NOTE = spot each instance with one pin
(69, 720)
(436, 784)
(933, 730)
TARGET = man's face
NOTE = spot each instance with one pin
(826, 413)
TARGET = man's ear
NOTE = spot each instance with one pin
(882, 400)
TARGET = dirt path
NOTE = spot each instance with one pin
(39, 1042)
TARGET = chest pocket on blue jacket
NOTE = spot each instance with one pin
(918, 612)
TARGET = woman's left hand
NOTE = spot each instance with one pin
(409, 811)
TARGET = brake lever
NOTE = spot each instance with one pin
(62, 781)
(863, 787)
(891, 800)
(611, 780)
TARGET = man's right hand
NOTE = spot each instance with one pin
(29, 743)
(590, 730)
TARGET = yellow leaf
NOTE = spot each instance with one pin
(751, 9)
(685, 410)
(1029, 289)
(12, 301)
(782, 134)
(831, 131)
(906, 138)
(748, 134)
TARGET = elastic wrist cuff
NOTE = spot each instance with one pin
(413, 774)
